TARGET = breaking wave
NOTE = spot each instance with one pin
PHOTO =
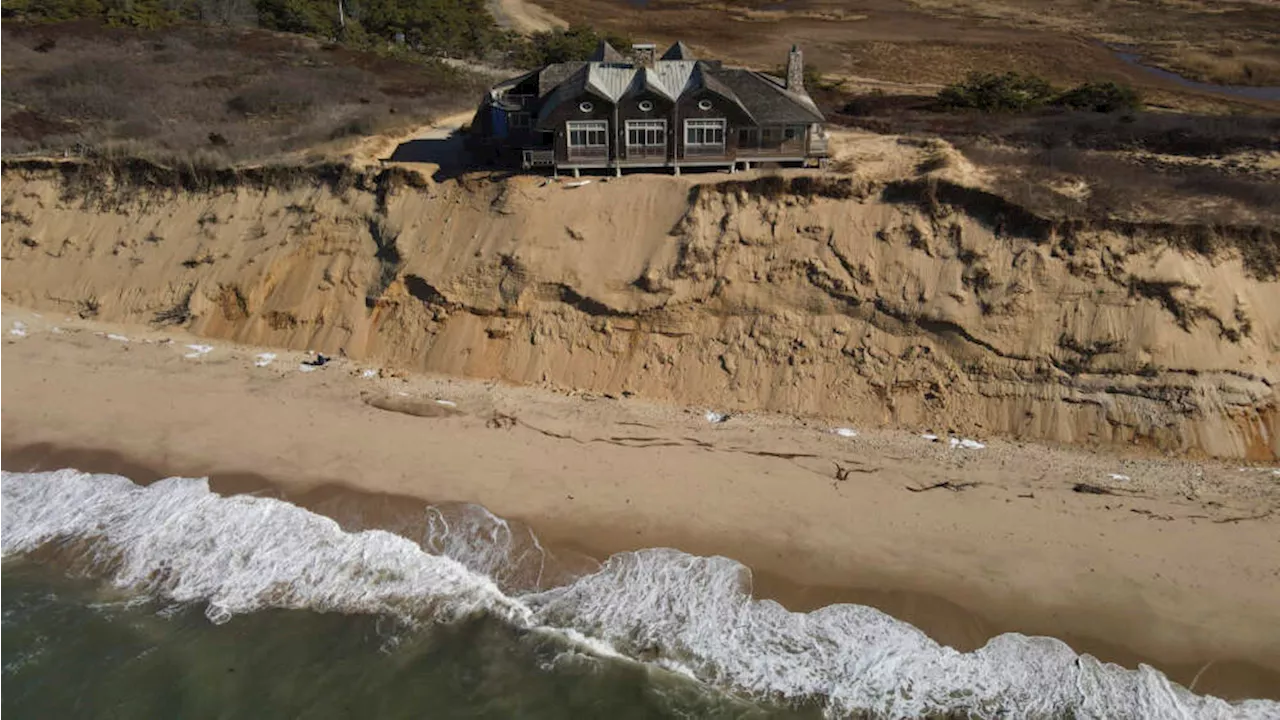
(178, 540)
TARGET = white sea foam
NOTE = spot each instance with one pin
(697, 611)
(486, 544)
(178, 539)
(690, 614)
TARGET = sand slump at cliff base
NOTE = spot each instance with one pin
(178, 541)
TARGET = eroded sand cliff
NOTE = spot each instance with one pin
(919, 301)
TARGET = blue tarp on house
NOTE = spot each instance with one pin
(499, 122)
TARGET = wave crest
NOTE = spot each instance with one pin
(691, 614)
(698, 611)
(177, 539)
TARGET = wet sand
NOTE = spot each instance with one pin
(1169, 569)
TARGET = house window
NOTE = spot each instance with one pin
(647, 133)
(646, 139)
(588, 137)
(520, 121)
(790, 133)
(704, 104)
(748, 137)
(703, 136)
(645, 106)
(586, 106)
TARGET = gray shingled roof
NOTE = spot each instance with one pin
(707, 77)
(679, 51)
(760, 96)
(552, 75)
(570, 89)
(766, 100)
(606, 53)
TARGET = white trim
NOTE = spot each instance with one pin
(653, 133)
(704, 129)
(704, 104)
(587, 132)
(645, 105)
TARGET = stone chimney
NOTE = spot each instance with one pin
(643, 54)
(795, 69)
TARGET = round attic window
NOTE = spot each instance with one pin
(645, 106)
(704, 104)
(585, 106)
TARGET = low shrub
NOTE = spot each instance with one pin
(272, 98)
(996, 92)
(1100, 97)
(1013, 92)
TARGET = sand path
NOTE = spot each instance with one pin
(524, 16)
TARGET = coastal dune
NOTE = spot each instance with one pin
(888, 297)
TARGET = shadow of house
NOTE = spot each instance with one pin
(449, 154)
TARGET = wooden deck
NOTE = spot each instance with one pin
(658, 157)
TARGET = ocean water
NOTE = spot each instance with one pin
(172, 601)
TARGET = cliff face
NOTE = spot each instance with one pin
(918, 303)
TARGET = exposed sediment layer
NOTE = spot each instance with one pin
(917, 302)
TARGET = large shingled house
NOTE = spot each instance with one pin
(643, 111)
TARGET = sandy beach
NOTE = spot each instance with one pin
(1164, 561)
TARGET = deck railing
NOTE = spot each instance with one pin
(538, 158)
(704, 151)
(789, 148)
(646, 152)
(600, 152)
(545, 157)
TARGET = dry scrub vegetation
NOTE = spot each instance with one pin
(1091, 153)
(1231, 42)
(1069, 182)
(1145, 166)
(209, 94)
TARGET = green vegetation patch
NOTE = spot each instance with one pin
(1018, 92)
